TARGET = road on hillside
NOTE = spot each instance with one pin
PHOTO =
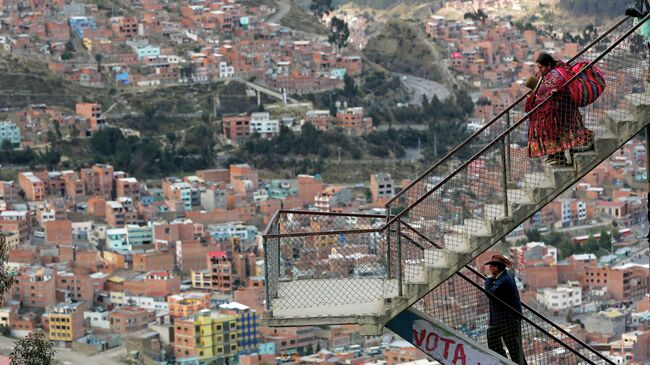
(418, 87)
(284, 6)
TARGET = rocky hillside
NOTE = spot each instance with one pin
(401, 47)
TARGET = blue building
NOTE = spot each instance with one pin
(9, 131)
(248, 324)
(79, 23)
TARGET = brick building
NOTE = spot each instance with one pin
(130, 319)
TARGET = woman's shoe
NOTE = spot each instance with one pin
(554, 157)
(586, 148)
(560, 162)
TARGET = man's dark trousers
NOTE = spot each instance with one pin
(510, 331)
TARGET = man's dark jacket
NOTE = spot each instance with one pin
(504, 288)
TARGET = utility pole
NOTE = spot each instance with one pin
(339, 155)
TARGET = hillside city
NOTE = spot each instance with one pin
(121, 267)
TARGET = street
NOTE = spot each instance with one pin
(419, 86)
(284, 6)
(69, 357)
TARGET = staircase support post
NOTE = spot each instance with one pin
(266, 277)
(504, 176)
(399, 258)
(388, 244)
(647, 172)
(508, 155)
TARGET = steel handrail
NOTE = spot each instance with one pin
(476, 134)
(524, 305)
(514, 126)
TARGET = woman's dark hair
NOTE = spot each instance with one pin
(546, 59)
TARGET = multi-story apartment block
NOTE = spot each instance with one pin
(119, 215)
(93, 114)
(98, 180)
(320, 119)
(236, 128)
(352, 121)
(182, 192)
(153, 261)
(35, 287)
(126, 27)
(381, 187)
(187, 304)
(225, 231)
(130, 319)
(73, 186)
(128, 187)
(218, 275)
(206, 338)
(622, 282)
(248, 324)
(8, 191)
(213, 198)
(262, 124)
(19, 222)
(562, 298)
(65, 321)
(32, 186)
(9, 131)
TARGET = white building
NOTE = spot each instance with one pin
(9, 131)
(262, 124)
(233, 229)
(146, 302)
(97, 319)
(225, 71)
(213, 199)
(561, 298)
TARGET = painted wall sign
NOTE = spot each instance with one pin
(440, 342)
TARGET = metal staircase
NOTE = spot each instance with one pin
(407, 266)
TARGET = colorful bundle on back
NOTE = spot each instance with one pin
(588, 86)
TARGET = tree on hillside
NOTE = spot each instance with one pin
(478, 15)
(99, 57)
(339, 33)
(320, 7)
(35, 349)
(350, 89)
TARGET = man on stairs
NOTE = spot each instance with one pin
(505, 311)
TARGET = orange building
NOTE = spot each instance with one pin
(153, 261)
(154, 283)
(93, 114)
(128, 187)
(35, 287)
(32, 186)
(308, 188)
(186, 304)
(58, 232)
(19, 222)
(353, 122)
(98, 180)
(237, 128)
(218, 275)
(623, 282)
(130, 319)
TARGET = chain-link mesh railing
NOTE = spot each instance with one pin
(327, 264)
(534, 150)
(525, 337)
